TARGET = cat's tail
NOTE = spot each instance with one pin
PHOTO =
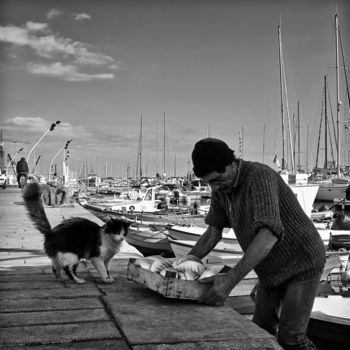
(34, 205)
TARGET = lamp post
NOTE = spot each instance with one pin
(52, 127)
(64, 147)
(64, 165)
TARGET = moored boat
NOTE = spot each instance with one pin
(330, 190)
(193, 233)
(223, 253)
(148, 241)
(329, 325)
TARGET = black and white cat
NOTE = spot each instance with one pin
(75, 239)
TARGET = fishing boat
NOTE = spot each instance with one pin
(149, 241)
(223, 253)
(332, 189)
(329, 325)
(193, 233)
(159, 219)
(145, 202)
(335, 187)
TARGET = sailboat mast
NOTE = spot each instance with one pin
(264, 144)
(299, 135)
(164, 147)
(307, 149)
(157, 149)
(139, 154)
(281, 94)
(325, 126)
(337, 89)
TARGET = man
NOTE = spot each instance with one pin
(279, 241)
(22, 170)
(54, 192)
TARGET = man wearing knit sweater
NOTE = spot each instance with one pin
(278, 239)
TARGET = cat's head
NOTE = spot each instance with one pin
(117, 229)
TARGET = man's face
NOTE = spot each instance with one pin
(221, 180)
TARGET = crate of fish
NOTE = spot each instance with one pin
(170, 279)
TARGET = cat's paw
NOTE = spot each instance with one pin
(80, 280)
(108, 280)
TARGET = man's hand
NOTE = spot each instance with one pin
(216, 295)
(222, 284)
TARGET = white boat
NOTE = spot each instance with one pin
(330, 190)
(148, 241)
(146, 202)
(304, 192)
(329, 325)
(192, 233)
(223, 253)
(330, 322)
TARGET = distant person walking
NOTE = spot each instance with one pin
(176, 196)
(22, 170)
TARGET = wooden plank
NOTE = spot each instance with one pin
(31, 285)
(46, 334)
(51, 317)
(34, 275)
(108, 344)
(32, 261)
(248, 344)
(73, 291)
(22, 271)
(242, 304)
(149, 318)
(19, 305)
(45, 284)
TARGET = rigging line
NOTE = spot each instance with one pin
(344, 66)
(319, 135)
(332, 115)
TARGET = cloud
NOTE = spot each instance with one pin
(36, 26)
(81, 16)
(27, 124)
(48, 45)
(53, 13)
(65, 72)
(31, 128)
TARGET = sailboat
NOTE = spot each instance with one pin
(329, 325)
(335, 188)
(298, 182)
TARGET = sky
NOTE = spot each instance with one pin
(186, 69)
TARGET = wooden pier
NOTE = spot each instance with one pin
(38, 311)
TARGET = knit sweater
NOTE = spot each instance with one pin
(260, 198)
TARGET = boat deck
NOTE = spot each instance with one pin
(39, 311)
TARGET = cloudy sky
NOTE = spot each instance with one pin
(204, 67)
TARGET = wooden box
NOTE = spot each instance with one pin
(169, 287)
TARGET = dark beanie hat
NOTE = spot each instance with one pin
(210, 155)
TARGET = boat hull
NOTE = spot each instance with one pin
(223, 253)
(193, 233)
(149, 242)
(329, 325)
(330, 192)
